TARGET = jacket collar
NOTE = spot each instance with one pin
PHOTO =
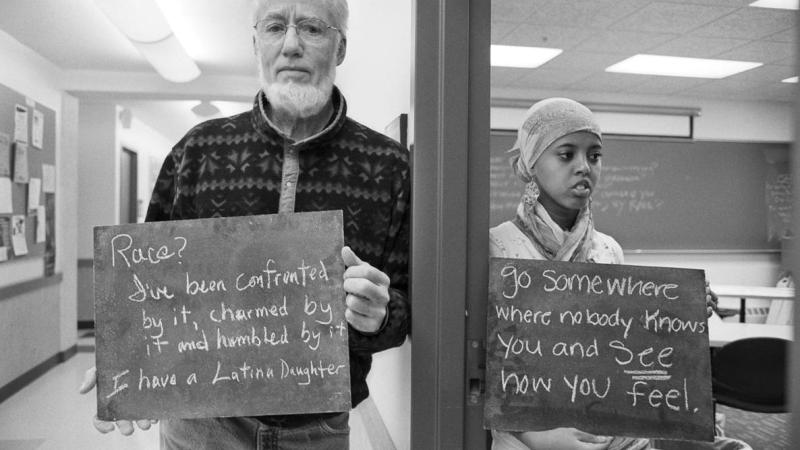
(265, 127)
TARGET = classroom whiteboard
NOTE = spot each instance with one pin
(675, 195)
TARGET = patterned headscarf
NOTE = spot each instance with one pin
(546, 122)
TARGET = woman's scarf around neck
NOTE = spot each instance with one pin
(547, 236)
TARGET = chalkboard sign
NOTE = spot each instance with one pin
(608, 349)
(675, 195)
(221, 317)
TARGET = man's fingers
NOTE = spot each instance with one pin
(125, 427)
(144, 424)
(366, 289)
(103, 426)
(590, 438)
(349, 257)
(89, 380)
(364, 307)
(368, 272)
(360, 322)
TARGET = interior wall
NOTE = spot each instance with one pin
(67, 220)
(718, 120)
(98, 190)
(35, 325)
(36, 78)
(151, 148)
(98, 166)
(377, 85)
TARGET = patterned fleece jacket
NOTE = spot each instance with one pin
(242, 165)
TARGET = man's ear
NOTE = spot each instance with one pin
(340, 52)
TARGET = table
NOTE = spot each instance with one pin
(720, 333)
(745, 292)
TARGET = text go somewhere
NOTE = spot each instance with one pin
(588, 284)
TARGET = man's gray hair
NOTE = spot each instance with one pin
(338, 9)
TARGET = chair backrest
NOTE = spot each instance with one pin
(781, 312)
(751, 374)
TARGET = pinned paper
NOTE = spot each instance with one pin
(34, 193)
(5, 238)
(48, 178)
(20, 123)
(6, 207)
(40, 224)
(21, 163)
(5, 155)
(38, 128)
(18, 240)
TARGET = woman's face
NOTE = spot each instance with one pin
(567, 172)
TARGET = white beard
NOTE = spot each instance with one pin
(299, 100)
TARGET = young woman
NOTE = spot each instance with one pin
(558, 155)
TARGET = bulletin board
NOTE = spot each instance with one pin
(676, 195)
(27, 179)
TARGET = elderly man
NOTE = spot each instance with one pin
(297, 151)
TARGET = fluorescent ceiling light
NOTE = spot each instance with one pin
(776, 4)
(522, 57)
(673, 66)
(205, 109)
(169, 59)
(143, 23)
(790, 80)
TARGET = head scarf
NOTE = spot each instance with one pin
(546, 122)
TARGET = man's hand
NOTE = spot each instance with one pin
(711, 301)
(563, 439)
(367, 291)
(125, 426)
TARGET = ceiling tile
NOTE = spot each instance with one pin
(760, 51)
(541, 36)
(748, 23)
(607, 82)
(782, 92)
(511, 10)
(666, 85)
(660, 17)
(767, 74)
(623, 42)
(501, 76)
(730, 3)
(696, 47)
(548, 79)
(788, 35)
(582, 13)
(789, 62)
(502, 29)
(727, 89)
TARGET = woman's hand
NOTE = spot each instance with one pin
(563, 439)
(711, 301)
(125, 426)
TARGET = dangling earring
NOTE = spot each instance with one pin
(530, 196)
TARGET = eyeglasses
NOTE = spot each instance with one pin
(310, 30)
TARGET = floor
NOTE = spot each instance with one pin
(50, 414)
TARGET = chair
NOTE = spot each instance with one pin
(750, 374)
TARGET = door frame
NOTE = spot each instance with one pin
(450, 214)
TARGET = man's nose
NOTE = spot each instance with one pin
(291, 42)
